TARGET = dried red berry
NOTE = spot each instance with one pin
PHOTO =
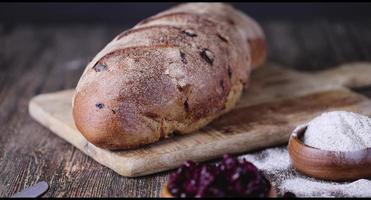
(207, 55)
(183, 58)
(99, 105)
(100, 67)
(190, 33)
(228, 178)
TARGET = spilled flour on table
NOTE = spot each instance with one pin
(270, 160)
(307, 187)
(276, 165)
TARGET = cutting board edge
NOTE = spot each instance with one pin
(128, 169)
(216, 153)
(37, 113)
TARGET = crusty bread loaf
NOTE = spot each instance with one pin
(172, 73)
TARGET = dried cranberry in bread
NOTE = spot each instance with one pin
(173, 72)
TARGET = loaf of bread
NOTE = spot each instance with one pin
(172, 73)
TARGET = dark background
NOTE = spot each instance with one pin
(303, 32)
(130, 13)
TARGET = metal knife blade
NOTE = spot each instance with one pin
(33, 191)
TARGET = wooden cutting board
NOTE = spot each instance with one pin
(278, 100)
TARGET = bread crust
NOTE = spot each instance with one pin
(173, 72)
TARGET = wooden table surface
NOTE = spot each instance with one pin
(38, 59)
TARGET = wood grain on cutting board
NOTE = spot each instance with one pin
(276, 102)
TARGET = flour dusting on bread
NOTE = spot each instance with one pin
(172, 72)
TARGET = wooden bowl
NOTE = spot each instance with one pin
(165, 193)
(328, 165)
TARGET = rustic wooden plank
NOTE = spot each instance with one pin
(318, 44)
(14, 171)
(65, 161)
(31, 76)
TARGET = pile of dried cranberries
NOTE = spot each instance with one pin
(228, 178)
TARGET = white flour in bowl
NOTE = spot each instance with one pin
(339, 131)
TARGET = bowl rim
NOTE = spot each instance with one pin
(328, 165)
